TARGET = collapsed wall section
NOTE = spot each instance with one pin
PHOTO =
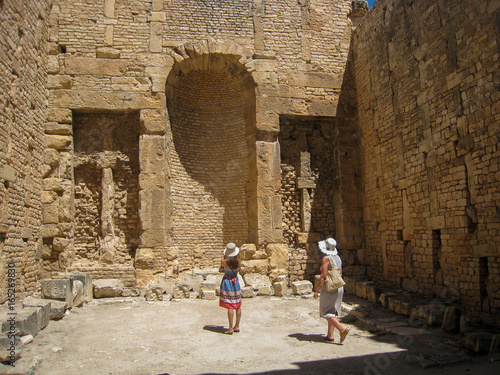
(427, 78)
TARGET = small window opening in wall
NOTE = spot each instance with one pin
(436, 249)
(3, 236)
(483, 277)
(399, 235)
(62, 48)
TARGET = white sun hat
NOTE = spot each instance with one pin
(328, 247)
(231, 250)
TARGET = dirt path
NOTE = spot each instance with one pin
(278, 336)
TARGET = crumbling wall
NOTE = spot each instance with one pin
(23, 51)
(427, 77)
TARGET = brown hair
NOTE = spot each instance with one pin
(232, 263)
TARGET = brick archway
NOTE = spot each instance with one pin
(211, 107)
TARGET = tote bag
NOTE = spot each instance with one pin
(333, 278)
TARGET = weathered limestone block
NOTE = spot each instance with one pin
(59, 289)
(433, 314)
(131, 292)
(154, 292)
(259, 266)
(405, 307)
(372, 293)
(181, 289)
(145, 277)
(194, 281)
(152, 121)
(86, 280)
(494, 354)
(207, 285)
(107, 53)
(247, 292)
(44, 305)
(264, 291)
(144, 258)
(104, 288)
(58, 142)
(78, 293)
(451, 319)
(302, 287)
(166, 283)
(361, 288)
(27, 321)
(393, 303)
(280, 288)
(480, 342)
(278, 256)
(207, 294)
(384, 298)
(350, 284)
(57, 309)
(247, 251)
(84, 65)
(256, 280)
(10, 348)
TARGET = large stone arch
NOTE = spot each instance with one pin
(210, 95)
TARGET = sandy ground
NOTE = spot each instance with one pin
(278, 336)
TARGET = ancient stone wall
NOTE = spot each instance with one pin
(208, 81)
(427, 77)
(23, 65)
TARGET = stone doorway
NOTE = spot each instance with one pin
(211, 108)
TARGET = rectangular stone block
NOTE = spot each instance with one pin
(57, 309)
(479, 342)
(384, 298)
(372, 293)
(280, 288)
(26, 322)
(247, 292)
(45, 305)
(59, 289)
(87, 284)
(207, 294)
(451, 319)
(10, 348)
(302, 287)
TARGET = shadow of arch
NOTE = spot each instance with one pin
(211, 107)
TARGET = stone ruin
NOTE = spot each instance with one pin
(138, 138)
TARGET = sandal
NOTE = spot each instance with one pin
(343, 335)
(329, 339)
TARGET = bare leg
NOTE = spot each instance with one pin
(230, 315)
(331, 327)
(238, 318)
(335, 323)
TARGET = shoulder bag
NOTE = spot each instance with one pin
(333, 279)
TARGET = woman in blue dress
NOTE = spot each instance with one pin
(230, 290)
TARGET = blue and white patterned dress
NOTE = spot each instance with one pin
(230, 290)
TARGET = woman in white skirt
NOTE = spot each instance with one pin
(330, 303)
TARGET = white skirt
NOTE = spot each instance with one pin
(330, 303)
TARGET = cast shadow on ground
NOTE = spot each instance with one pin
(216, 329)
(311, 338)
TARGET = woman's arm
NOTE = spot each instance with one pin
(222, 265)
(324, 270)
